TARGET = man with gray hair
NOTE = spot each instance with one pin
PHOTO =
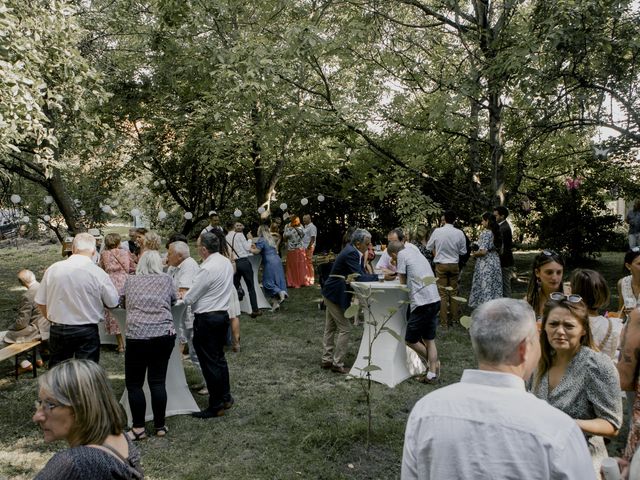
(488, 425)
(337, 298)
(72, 296)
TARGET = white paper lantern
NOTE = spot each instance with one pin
(77, 202)
(156, 183)
(283, 206)
(321, 198)
(162, 215)
(46, 218)
(106, 209)
(15, 199)
(48, 199)
(261, 210)
(25, 219)
(304, 201)
(188, 215)
(163, 182)
(135, 212)
(237, 213)
(82, 213)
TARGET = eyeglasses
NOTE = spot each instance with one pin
(549, 253)
(559, 296)
(46, 405)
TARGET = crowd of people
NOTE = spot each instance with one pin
(551, 367)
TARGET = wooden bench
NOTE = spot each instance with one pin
(16, 349)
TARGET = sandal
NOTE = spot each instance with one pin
(136, 436)
(162, 431)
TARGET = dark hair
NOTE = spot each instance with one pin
(346, 238)
(449, 216)
(176, 237)
(533, 289)
(502, 210)
(224, 246)
(495, 229)
(210, 241)
(578, 310)
(111, 241)
(399, 233)
(142, 230)
(591, 286)
(629, 257)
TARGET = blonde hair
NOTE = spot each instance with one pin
(264, 231)
(152, 241)
(83, 242)
(150, 263)
(83, 386)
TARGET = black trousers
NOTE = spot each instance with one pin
(245, 270)
(150, 357)
(209, 338)
(74, 341)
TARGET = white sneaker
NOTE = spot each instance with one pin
(282, 296)
(203, 391)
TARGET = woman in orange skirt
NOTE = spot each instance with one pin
(296, 258)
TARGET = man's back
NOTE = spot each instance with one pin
(448, 242)
(486, 427)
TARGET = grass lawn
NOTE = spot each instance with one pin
(291, 419)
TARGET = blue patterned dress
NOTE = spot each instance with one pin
(487, 276)
(273, 280)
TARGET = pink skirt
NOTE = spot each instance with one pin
(297, 268)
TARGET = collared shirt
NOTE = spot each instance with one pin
(211, 228)
(385, 258)
(488, 426)
(76, 291)
(148, 299)
(241, 246)
(449, 244)
(184, 274)
(413, 264)
(212, 286)
(310, 231)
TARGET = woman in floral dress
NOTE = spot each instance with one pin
(117, 263)
(487, 276)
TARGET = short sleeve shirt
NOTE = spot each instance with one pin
(413, 264)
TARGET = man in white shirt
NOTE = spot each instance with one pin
(447, 244)
(386, 263)
(488, 426)
(422, 319)
(240, 248)
(209, 299)
(309, 244)
(183, 269)
(214, 223)
(73, 295)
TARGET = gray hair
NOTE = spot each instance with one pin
(360, 235)
(27, 277)
(150, 263)
(83, 242)
(210, 242)
(497, 328)
(181, 248)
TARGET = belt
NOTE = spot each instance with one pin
(216, 312)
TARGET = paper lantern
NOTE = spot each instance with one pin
(283, 206)
(15, 199)
(106, 208)
(156, 183)
(162, 215)
(25, 219)
(163, 182)
(321, 198)
(304, 201)
(82, 213)
(188, 215)
(135, 212)
(237, 213)
(261, 210)
(77, 202)
(46, 218)
(48, 199)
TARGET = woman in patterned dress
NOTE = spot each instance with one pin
(118, 265)
(487, 275)
(575, 378)
(296, 257)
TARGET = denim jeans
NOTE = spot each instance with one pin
(74, 341)
(150, 357)
(209, 338)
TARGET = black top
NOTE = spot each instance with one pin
(506, 253)
(79, 463)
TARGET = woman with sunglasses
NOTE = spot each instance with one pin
(629, 286)
(574, 377)
(593, 289)
(546, 278)
(76, 404)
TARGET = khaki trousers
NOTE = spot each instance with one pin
(335, 342)
(447, 276)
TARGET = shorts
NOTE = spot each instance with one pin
(422, 323)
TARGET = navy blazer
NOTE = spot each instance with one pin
(347, 262)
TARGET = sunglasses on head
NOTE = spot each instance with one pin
(635, 249)
(549, 253)
(559, 296)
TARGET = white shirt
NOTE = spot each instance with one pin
(599, 330)
(184, 274)
(385, 258)
(488, 427)
(415, 266)
(449, 243)
(76, 291)
(310, 231)
(211, 290)
(241, 246)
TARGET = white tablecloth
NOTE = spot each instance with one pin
(397, 362)
(179, 398)
(105, 338)
(245, 304)
(376, 259)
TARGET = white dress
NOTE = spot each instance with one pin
(606, 334)
(234, 304)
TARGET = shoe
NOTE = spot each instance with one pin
(205, 414)
(198, 386)
(340, 370)
(282, 296)
(229, 404)
(326, 365)
(255, 314)
(203, 391)
(22, 370)
(39, 363)
(162, 431)
(432, 381)
(136, 436)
